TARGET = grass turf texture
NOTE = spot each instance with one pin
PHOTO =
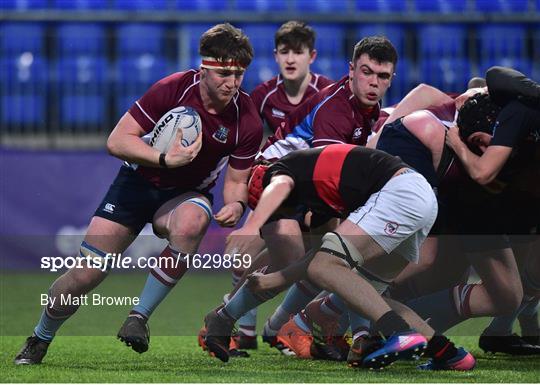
(86, 350)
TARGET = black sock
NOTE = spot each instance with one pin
(391, 323)
(441, 348)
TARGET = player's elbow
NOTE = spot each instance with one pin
(113, 146)
(483, 178)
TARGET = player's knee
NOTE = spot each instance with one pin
(321, 268)
(192, 227)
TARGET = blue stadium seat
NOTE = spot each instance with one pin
(261, 5)
(23, 5)
(260, 70)
(82, 89)
(81, 39)
(447, 74)
(201, 5)
(17, 38)
(261, 37)
(23, 109)
(24, 89)
(138, 38)
(321, 5)
(394, 32)
(524, 66)
(190, 35)
(446, 40)
(140, 5)
(402, 83)
(440, 6)
(499, 41)
(330, 41)
(80, 4)
(536, 44)
(383, 6)
(333, 68)
(134, 76)
(502, 5)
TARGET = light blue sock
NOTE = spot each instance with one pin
(358, 322)
(298, 296)
(243, 301)
(153, 293)
(301, 324)
(343, 324)
(247, 324)
(47, 326)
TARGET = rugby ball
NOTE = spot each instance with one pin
(179, 118)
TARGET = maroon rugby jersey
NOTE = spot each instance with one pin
(337, 179)
(272, 102)
(233, 135)
(333, 115)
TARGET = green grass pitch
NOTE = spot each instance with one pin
(86, 349)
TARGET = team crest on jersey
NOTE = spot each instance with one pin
(221, 134)
(277, 113)
(357, 134)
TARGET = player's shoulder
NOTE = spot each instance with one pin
(245, 103)
(319, 81)
(267, 86)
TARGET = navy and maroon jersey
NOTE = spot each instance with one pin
(333, 115)
(337, 179)
(272, 102)
(233, 135)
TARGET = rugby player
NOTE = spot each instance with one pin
(275, 99)
(169, 190)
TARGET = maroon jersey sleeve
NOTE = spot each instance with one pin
(257, 96)
(249, 136)
(323, 81)
(332, 124)
(159, 99)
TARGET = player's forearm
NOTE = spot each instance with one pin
(234, 191)
(271, 199)
(473, 164)
(133, 149)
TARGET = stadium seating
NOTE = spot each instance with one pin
(394, 32)
(201, 5)
(502, 5)
(403, 82)
(139, 38)
(80, 4)
(497, 41)
(140, 5)
(261, 37)
(261, 5)
(446, 40)
(330, 41)
(447, 74)
(82, 91)
(17, 38)
(440, 6)
(134, 76)
(23, 5)
(321, 5)
(381, 5)
(332, 68)
(80, 39)
(189, 35)
(525, 66)
(260, 70)
(24, 90)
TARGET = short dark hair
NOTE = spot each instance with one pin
(294, 35)
(378, 48)
(478, 114)
(225, 42)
